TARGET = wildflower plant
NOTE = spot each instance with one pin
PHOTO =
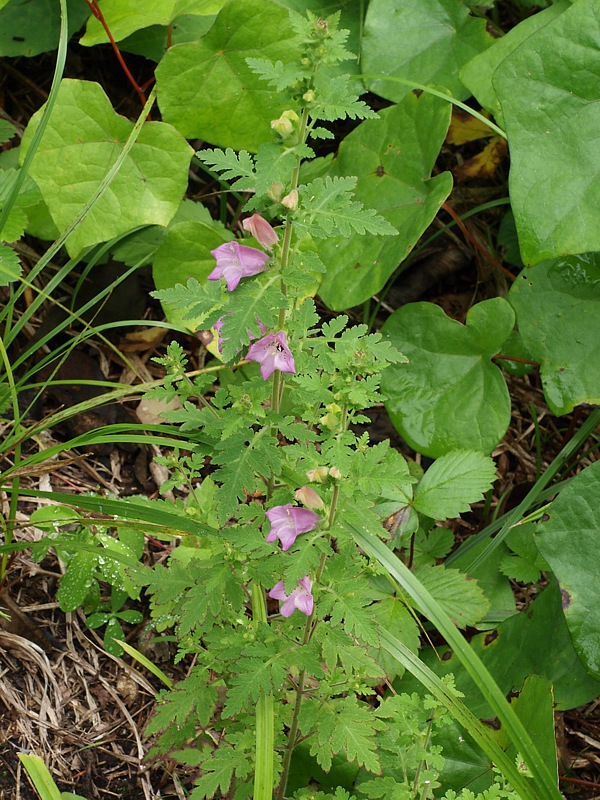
(272, 597)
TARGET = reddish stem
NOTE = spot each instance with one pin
(96, 11)
(475, 243)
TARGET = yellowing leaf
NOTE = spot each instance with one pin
(466, 128)
(485, 163)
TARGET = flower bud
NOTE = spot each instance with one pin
(318, 475)
(291, 200)
(261, 230)
(286, 124)
(309, 96)
(309, 498)
(335, 473)
(276, 191)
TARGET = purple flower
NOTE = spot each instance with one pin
(261, 230)
(288, 522)
(236, 261)
(272, 352)
(300, 598)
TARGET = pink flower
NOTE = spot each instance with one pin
(288, 522)
(272, 352)
(236, 261)
(300, 598)
(261, 230)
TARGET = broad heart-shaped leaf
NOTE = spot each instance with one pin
(477, 74)
(32, 27)
(453, 482)
(185, 253)
(569, 543)
(79, 146)
(551, 109)
(423, 40)
(392, 157)
(449, 396)
(558, 313)
(206, 89)
(123, 17)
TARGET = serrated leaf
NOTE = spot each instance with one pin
(551, 109)
(327, 207)
(341, 726)
(219, 771)
(453, 482)
(238, 110)
(7, 131)
(79, 146)
(243, 456)
(253, 301)
(449, 395)
(10, 266)
(194, 694)
(459, 596)
(255, 675)
(232, 166)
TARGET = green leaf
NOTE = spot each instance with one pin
(206, 89)
(569, 543)
(123, 17)
(453, 482)
(558, 314)
(77, 580)
(534, 706)
(40, 776)
(193, 694)
(184, 253)
(21, 31)
(450, 396)
(477, 74)
(393, 158)
(341, 725)
(534, 643)
(459, 596)
(424, 40)
(10, 266)
(552, 114)
(7, 131)
(219, 771)
(81, 143)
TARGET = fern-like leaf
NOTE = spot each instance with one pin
(342, 726)
(231, 165)
(328, 209)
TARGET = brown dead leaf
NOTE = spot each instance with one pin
(145, 339)
(485, 163)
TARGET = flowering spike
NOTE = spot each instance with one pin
(261, 230)
(236, 261)
(272, 352)
(288, 522)
(300, 597)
